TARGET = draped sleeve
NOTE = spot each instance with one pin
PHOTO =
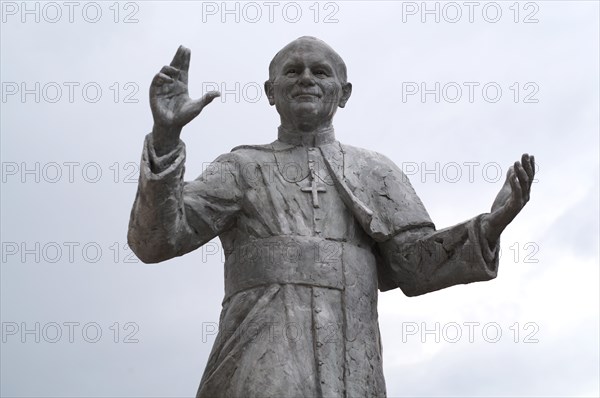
(171, 217)
(412, 254)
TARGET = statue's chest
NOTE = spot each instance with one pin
(294, 192)
(303, 172)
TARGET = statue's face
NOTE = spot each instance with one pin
(306, 87)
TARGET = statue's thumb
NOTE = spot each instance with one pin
(198, 104)
(209, 97)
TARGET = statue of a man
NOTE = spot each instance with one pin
(311, 228)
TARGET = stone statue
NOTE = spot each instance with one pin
(311, 229)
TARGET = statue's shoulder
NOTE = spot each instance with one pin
(275, 146)
(368, 157)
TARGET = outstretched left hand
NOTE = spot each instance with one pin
(512, 197)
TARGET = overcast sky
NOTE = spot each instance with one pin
(454, 96)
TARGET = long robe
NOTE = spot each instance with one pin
(311, 230)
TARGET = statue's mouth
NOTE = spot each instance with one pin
(306, 95)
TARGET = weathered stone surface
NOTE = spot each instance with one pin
(311, 228)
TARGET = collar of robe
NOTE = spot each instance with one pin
(322, 137)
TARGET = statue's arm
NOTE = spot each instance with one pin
(158, 228)
(171, 217)
(422, 260)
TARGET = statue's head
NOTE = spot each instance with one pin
(307, 83)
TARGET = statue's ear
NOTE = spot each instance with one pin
(269, 89)
(346, 91)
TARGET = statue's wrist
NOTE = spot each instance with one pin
(489, 229)
(165, 139)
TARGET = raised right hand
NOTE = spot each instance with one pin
(172, 107)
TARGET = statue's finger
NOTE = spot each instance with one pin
(523, 181)
(509, 173)
(179, 59)
(209, 97)
(521, 174)
(170, 71)
(532, 162)
(187, 55)
(514, 183)
(194, 107)
(526, 163)
(160, 79)
(199, 104)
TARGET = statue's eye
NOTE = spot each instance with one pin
(291, 71)
(320, 72)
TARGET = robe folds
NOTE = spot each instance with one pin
(311, 230)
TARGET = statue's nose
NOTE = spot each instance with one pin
(307, 78)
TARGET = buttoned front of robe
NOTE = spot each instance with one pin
(311, 230)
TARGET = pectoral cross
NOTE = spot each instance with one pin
(314, 188)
